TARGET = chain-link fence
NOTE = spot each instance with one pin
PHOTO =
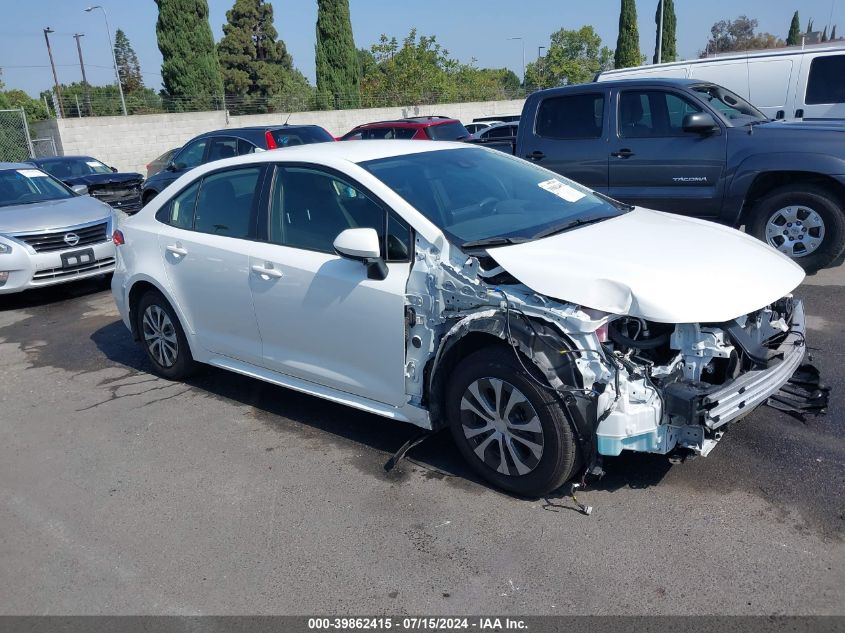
(43, 147)
(15, 144)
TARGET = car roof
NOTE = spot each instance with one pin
(414, 121)
(257, 128)
(633, 82)
(41, 159)
(7, 166)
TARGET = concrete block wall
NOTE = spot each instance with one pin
(129, 143)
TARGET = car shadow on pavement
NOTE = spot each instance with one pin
(53, 294)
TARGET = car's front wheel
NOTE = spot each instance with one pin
(805, 222)
(163, 338)
(512, 430)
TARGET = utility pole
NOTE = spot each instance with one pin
(113, 58)
(76, 36)
(660, 36)
(47, 31)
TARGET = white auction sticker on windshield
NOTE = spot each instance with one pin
(32, 173)
(93, 163)
(561, 190)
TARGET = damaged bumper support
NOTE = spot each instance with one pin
(693, 412)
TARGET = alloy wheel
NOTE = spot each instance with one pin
(160, 336)
(501, 426)
(795, 230)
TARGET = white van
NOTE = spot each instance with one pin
(785, 83)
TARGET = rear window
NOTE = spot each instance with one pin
(571, 116)
(825, 83)
(300, 136)
(447, 132)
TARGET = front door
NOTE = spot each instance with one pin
(320, 317)
(655, 164)
(205, 244)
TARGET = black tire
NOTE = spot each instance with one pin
(558, 458)
(808, 197)
(149, 195)
(170, 361)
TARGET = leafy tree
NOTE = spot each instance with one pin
(81, 99)
(573, 57)
(628, 42)
(669, 52)
(738, 35)
(128, 67)
(34, 108)
(190, 70)
(257, 68)
(336, 56)
(794, 36)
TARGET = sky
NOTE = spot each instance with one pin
(468, 29)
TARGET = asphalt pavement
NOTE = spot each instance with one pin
(124, 493)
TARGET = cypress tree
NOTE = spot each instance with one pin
(824, 34)
(794, 36)
(190, 70)
(254, 63)
(669, 52)
(128, 66)
(809, 26)
(628, 42)
(336, 56)
(833, 33)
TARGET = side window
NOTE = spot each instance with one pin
(404, 132)
(226, 202)
(245, 147)
(191, 155)
(310, 208)
(222, 147)
(825, 84)
(652, 114)
(179, 212)
(571, 117)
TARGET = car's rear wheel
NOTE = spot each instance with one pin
(805, 222)
(511, 430)
(163, 338)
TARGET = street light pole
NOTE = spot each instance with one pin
(113, 58)
(522, 40)
(47, 31)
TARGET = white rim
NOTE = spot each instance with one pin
(795, 230)
(160, 336)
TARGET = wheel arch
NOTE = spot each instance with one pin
(136, 289)
(766, 182)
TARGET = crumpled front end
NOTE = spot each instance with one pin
(685, 382)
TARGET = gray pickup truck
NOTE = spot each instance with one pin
(696, 148)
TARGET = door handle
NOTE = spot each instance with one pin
(622, 153)
(535, 155)
(177, 250)
(267, 272)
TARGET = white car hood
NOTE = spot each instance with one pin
(658, 266)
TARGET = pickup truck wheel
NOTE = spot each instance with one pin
(163, 337)
(513, 432)
(804, 222)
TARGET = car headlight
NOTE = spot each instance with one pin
(5, 249)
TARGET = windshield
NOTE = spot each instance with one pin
(447, 132)
(733, 107)
(74, 168)
(474, 194)
(25, 186)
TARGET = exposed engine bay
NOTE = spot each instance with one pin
(626, 382)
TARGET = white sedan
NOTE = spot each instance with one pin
(444, 284)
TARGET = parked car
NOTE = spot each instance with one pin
(784, 83)
(229, 142)
(696, 148)
(48, 233)
(506, 118)
(117, 189)
(423, 128)
(547, 325)
(474, 128)
(498, 130)
(160, 162)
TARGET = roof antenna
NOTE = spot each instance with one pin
(288, 119)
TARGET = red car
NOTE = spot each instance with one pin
(424, 128)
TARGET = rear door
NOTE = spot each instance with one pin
(824, 92)
(567, 136)
(204, 241)
(655, 164)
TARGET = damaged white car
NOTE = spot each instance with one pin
(444, 284)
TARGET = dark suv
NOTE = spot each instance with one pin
(422, 128)
(231, 142)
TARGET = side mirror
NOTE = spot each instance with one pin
(700, 123)
(362, 245)
(81, 190)
(114, 169)
(171, 166)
